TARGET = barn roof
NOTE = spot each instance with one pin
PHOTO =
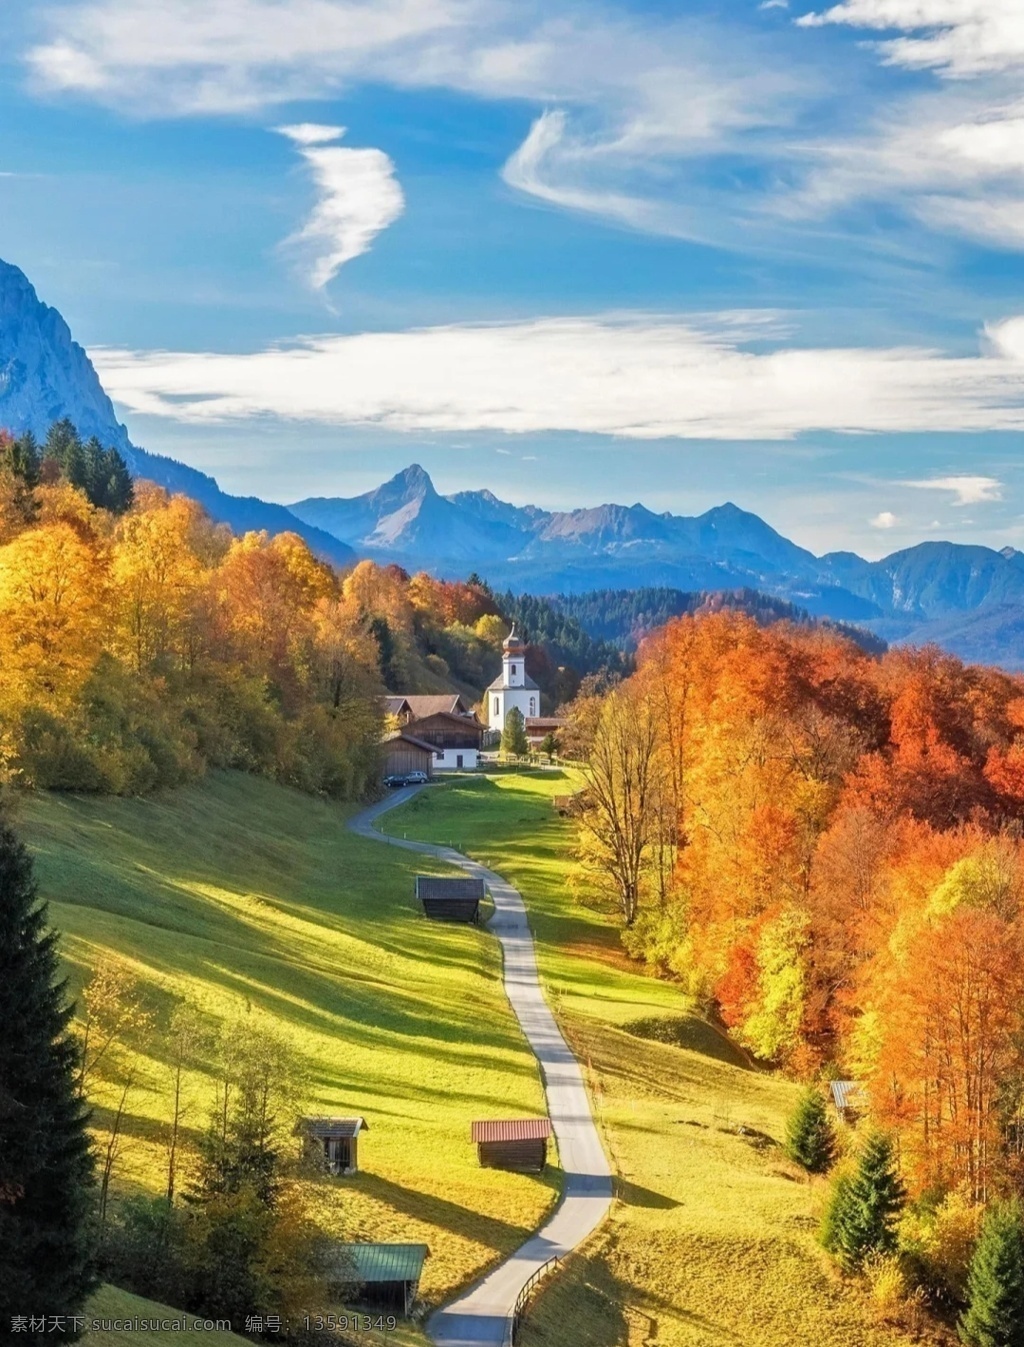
(450, 703)
(847, 1094)
(513, 1129)
(546, 722)
(332, 1127)
(449, 886)
(395, 735)
(394, 706)
(386, 1262)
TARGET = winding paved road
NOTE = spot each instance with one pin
(478, 1318)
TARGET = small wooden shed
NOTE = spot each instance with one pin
(387, 1275)
(513, 1143)
(848, 1099)
(455, 898)
(336, 1140)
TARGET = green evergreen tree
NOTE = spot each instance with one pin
(861, 1218)
(514, 743)
(549, 744)
(64, 446)
(995, 1286)
(21, 456)
(46, 1163)
(810, 1137)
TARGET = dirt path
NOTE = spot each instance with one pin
(479, 1317)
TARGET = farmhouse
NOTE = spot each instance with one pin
(445, 723)
(539, 727)
(513, 687)
(520, 1144)
(450, 898)
(404, 753)
(388, 1275)
(334, 1139)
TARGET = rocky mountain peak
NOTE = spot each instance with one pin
(44, 373)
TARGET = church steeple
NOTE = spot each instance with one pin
(513, 667)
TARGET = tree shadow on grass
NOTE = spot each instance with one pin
(633, 1195)
(439, 1211)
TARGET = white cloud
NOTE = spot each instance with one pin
(956, 37)
(179, 56)
(968, 490)
(676, 126)
(639, 377)
(952, 159)
(885, 519)
(312, 133)
(359, 197)
(632, 100)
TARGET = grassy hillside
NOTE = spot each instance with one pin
(110, 1305)
(711, 1240)
(256, 899)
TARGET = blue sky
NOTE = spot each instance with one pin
(572, 252)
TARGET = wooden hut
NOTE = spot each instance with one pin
(387, 1275)
(848, 1099)
(336, 1140)
(455, 898)
(515, 1143)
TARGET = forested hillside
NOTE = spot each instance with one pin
(827, 848)
(141, 643)
(621, 618)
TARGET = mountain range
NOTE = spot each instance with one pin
(968, 599)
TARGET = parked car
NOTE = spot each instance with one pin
(393, 782)
(416, 778)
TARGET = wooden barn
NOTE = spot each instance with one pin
(849, 1099)
(334, 1140)
(455, 898)
(387, 1275)
(403, 753)
(515, 1143)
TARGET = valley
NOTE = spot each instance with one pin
(272, 908)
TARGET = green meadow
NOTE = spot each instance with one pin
(256, 901)
(711, 1240)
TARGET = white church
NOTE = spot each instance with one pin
(514, 687)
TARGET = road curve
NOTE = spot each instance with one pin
(478, 1318)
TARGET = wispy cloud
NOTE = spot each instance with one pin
(641, 378)
(202, 56)
(967, 490)
(359, 197)
(630, 100)
(735, 136)
(885, 519)
(956, 37)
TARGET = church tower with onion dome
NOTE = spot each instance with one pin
(514, 688)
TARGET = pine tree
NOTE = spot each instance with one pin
(995, 1287)
(810, 1139)
(46, 1164)
(514, 742)
(861, 1218)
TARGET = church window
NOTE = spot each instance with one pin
(513, 671)
(496, 706)
(533, 706)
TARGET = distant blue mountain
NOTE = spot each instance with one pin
(45, 375)
(968, 599)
